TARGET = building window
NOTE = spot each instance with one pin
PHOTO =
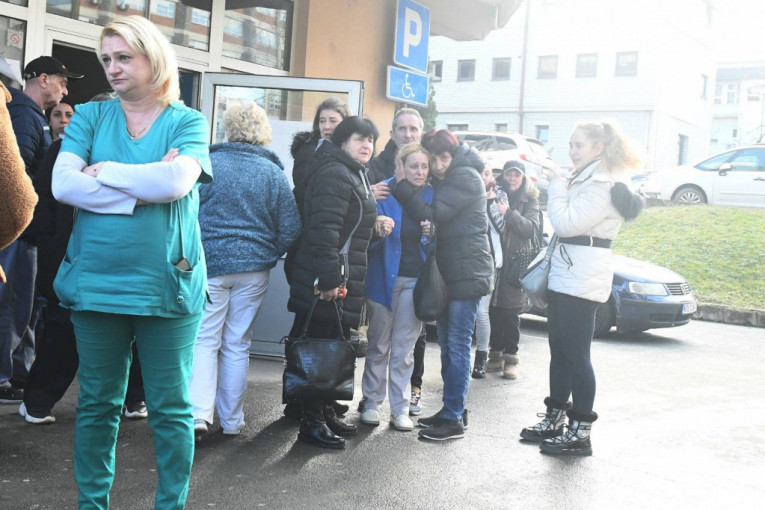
(626, 63)
(543, 133)
(718, 93)
(465, 70)
(682, 149)
(586, 65)
(164, 9)
(200, 17)
(501, 126)
(259, 31)
(735, 132)
(548, 66)
(457, 127)
(704, 85)
(436, 70)
(501, 69)
(731, 95)
(12, 39)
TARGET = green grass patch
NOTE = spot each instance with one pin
(719, 250)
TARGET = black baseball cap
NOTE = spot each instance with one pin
(48, 65)
(514, 165)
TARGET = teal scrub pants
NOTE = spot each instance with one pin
(166, 348)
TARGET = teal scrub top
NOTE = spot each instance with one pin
(127, 264)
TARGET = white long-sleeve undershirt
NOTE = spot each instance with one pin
(119, 186)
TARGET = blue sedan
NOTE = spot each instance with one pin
(643, 296)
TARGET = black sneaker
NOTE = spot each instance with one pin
(11, 395)
(136, 410)
(430, 421)
(443, 430)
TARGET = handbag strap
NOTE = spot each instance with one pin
(551, 246)
(304, 330)
(346, 247)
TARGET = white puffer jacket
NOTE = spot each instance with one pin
(583, 207)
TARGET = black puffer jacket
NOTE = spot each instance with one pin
(384, 164)
(303, 150)
(459, 213)
(336, 193)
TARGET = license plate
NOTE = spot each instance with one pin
(689, 308)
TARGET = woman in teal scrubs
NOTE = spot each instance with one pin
(134, 268)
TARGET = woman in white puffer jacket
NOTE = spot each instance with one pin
(586, 211)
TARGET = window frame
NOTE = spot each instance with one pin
(433, 66)
(620, 69)
(582, 70)
(500, 60)
(547, 75)
(459, 69)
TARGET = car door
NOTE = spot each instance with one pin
(743, 183)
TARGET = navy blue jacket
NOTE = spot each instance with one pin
(31, 129)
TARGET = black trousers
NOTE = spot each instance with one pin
(56, 364)
(419, 360)
(505, 329)
(570, 326)
(314, 408)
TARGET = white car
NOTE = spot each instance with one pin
(497, 148)
(735, 177)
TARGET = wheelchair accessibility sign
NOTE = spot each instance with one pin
(407, 86)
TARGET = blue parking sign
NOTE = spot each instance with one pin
(412, 35)
(407, 86)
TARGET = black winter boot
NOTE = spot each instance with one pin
(479, 367)
(551, 424)
(316, 432)
(337, 425)
(576, 439)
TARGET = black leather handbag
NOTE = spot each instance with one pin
(430, 294)
(318, 368)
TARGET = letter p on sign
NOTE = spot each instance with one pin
(413, 30)
(412, 35)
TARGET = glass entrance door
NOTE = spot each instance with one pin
(291, 105)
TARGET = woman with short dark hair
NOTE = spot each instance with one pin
(339, 207)
(464, 258)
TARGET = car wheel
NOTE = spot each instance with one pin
(604, 319)
(689, 195)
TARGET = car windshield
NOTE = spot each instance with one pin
(538, 149)
(741, 160)
(486, 143)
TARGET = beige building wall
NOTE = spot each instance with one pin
(351, 40)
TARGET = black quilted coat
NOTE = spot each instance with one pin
(459, 213)
(336, 194)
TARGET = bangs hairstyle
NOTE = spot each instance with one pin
(333, 104)
(352, 126)
(413, 148)
(247, 123)
(146, 39)
(619, 153)
(438, 142)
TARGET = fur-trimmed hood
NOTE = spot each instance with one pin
(300, 139)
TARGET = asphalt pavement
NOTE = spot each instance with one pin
(681, 414)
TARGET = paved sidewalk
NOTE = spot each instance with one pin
(679, 416)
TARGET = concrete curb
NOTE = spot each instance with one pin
(728, 315)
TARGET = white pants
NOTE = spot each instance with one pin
(221, 352)
(391, 337)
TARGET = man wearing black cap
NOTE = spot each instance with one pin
(46, 82)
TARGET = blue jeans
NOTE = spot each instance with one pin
(455, 330)
(18, 313)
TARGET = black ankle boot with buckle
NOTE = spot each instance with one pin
(314, 431)
(337, 425)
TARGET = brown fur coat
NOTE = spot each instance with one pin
(17, 196)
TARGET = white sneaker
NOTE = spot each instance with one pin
(48, 418)
(234, 432)
(402, 422)
(200, 427)
(370, 416)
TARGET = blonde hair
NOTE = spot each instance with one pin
(619, 153)
(145, 39)
(413, 148)
(247, 123)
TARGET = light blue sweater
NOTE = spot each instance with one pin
(248, 215)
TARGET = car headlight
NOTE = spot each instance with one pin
(648, 289)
